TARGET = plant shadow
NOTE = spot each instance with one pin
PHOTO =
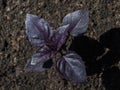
(111, 40)
(48, 64)
(111, 73)
(111, 78)
(101, 56)
(89, 49)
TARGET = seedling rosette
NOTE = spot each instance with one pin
(50, 42)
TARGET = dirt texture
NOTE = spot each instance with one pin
(99, 47)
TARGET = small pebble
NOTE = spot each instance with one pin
(8, 9)
(21, 12)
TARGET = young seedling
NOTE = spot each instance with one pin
(41, 34)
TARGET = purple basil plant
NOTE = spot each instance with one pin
(49, 42)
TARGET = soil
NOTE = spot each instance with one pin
(99, 46)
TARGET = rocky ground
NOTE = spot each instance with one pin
(102, 64)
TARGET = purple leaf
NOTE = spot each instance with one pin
(39, 58)
(42, 54)
(60, 36)
(37, 30)
(38, 67)
(78, 21)
(72, 67)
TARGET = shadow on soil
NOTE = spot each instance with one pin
(111, 78)
(98, 60)
(111, 40)
(4, 3)
(89, 49)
